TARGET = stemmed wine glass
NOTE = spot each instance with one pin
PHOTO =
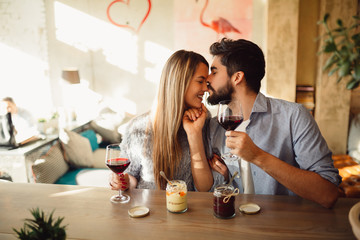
(118, 165)
(229, 116)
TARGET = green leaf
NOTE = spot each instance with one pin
(326, 17)
(339, 22)
(331, 60)
(42, 227)
(353, 56)
(340, 29)
(356, 74)
(344, 51)
(354, 26)
(330, 47)
(333, 71)
(338, 80)
(344, 69)
(356, 37)
(352, 84)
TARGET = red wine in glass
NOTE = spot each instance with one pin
(229, 116)
(118, 164)
(230, 123)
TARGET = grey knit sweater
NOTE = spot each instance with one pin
(137, 144)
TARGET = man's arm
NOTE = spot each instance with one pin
(306, 184)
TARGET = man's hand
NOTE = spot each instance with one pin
(241, 145)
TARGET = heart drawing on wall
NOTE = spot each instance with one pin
(126, 2)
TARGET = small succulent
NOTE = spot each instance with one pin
(41, 227)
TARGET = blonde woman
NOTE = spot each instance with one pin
(159, 140)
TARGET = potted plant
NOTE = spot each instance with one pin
(42, 227)
(344, 50)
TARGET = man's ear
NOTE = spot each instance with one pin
(239, 76)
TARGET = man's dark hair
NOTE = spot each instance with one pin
(241, 55)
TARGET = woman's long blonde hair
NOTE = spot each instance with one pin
(168, 112)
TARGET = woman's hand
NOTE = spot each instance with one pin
(194, 119)
(217, 164)
(119, 182)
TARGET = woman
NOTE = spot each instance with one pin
(159, 140)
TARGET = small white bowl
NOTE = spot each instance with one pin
(354, 218)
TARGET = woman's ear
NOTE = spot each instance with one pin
(239, 76)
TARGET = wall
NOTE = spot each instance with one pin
(333, 99)
(307, 43)
(118, 66)
(24, 64)
(282, 41)
(292, 59)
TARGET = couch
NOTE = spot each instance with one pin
(74, 159)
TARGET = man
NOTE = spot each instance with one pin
(24, 123)
(282, 142)
(20, 115)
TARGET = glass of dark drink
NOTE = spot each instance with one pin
(229, 116)
(118, 165)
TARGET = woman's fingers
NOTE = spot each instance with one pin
(217, 164)
(194, 113)
(119, 182)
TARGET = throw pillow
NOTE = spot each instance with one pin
(91, 136)
(78, 152)
(51, 166)
(110, 135)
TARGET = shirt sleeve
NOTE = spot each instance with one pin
(310, 148)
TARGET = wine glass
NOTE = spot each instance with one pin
(229, 116)
(118, 165)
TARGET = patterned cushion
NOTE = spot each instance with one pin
(99, 158)
(50, 166)
(78, 152)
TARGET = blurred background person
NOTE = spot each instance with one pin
(23, 121)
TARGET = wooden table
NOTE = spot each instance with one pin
(90, 215)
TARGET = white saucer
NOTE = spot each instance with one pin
(249, 208)
(138, 211)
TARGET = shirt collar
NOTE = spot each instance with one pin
(260, 104)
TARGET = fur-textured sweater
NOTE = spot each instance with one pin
(137, 144)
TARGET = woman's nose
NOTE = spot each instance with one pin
(204, 86)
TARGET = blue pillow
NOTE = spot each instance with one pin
(69, 178)
(91, 135)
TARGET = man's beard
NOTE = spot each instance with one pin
(220, 95)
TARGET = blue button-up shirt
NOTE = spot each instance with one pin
(285, 130)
